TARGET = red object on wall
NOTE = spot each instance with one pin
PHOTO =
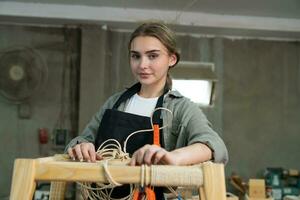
(43, 136)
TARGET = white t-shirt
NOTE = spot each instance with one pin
(141, 106)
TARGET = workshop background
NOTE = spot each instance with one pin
(77, 55)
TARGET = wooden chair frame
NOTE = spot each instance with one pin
(28, 171)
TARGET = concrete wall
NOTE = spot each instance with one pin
(261, 105)
(51, 108)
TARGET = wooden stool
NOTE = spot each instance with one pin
(209, 177)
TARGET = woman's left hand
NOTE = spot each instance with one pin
(153, 154)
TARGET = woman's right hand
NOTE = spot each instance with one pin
(84, 152)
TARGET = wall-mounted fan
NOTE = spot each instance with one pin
(22, 73)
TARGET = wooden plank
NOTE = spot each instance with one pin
(23, 181)
(214, 182)
(120, 172)
(202, 195)
(82, 171)
(57, 190)
(257, 188)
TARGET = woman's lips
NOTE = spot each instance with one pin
(144, 75)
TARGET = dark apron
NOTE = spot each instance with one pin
(118, 125)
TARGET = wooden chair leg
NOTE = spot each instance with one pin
(23, 181)
(57, 190)
(213, 182)
(202, 194)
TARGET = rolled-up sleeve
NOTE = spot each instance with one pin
(195, 128)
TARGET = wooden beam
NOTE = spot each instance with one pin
(83, 171)
(120, 172)
(213, 182)
(23, 181)
(57, 190)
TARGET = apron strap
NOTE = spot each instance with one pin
(127, 94)
(156, 115)
(156, 135)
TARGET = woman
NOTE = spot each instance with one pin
(188, 138)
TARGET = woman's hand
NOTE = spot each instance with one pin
(153, 154)
(83, 151)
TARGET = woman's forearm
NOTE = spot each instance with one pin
(192, 154)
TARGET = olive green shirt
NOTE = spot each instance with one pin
(187, 125)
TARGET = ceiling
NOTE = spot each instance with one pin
(255, 18)
(269, 8)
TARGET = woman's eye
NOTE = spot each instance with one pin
(135, 56)
(152, 56)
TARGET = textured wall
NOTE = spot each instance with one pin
(261, 105)
(51, 107)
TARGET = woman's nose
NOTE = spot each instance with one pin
(144, 62)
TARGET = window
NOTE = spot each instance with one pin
(199, 91)
(195, 80)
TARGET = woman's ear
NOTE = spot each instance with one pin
(172, 60)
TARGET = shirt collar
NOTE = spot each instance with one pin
(175, 93)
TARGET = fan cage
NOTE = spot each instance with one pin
(23, 72)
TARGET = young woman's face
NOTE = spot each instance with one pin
(150, 60)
